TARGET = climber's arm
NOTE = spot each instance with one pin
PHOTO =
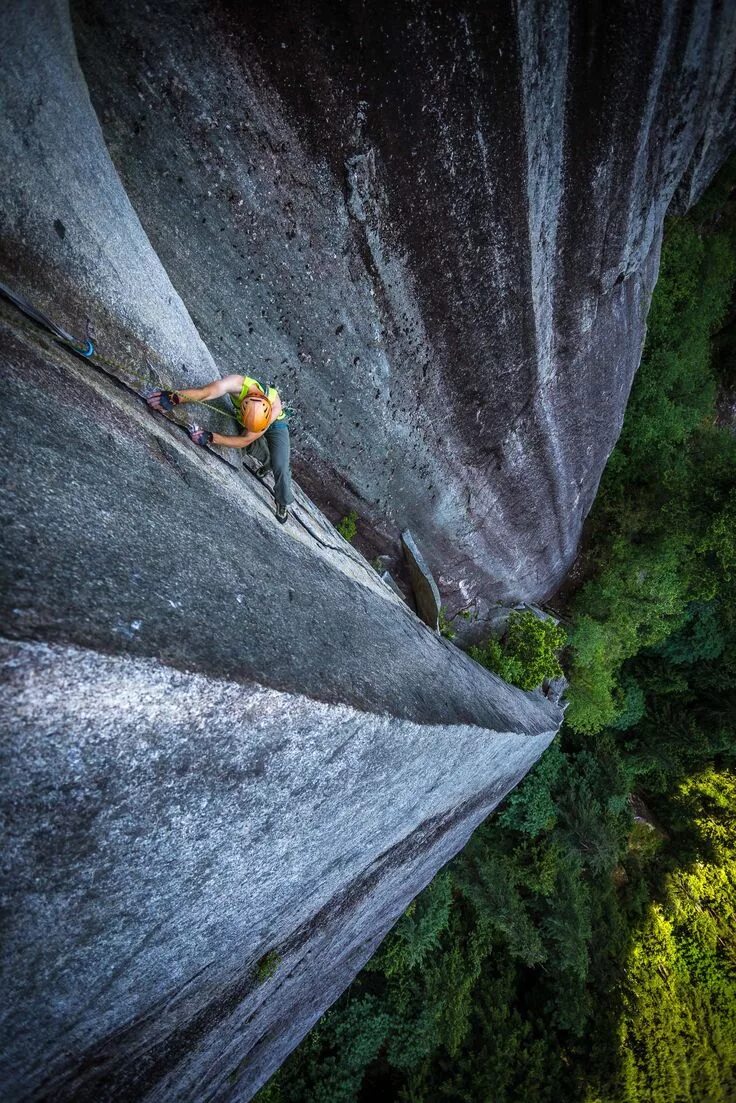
(229, 384)
(241, 441)
(166, 400)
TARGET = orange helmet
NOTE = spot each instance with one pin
(256, 413)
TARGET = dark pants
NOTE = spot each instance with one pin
(273, 451)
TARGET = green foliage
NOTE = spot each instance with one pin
(528, 654)
(267, 966)
(334, 1057)
(630, 703)
(489, 654)
(720, 538)
(418, 932)
(699, 638)
(445, 626)
(664, 524)
(348, 526)
(677, 1035)
(531, 808)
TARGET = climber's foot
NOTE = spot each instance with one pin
(281, 513)
(259, 472)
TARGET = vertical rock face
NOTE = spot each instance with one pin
(68, 234)
(228, 745)
(223, 741)
(228, 760)
(437, 226)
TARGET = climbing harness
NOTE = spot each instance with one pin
(118, 372)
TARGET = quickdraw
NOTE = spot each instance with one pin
(82, 348)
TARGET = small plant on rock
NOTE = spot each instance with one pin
(444, 625)
(267, 966)
(348, 527)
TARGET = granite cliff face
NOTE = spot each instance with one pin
(232, 755)
(225, 742)
(441, 221)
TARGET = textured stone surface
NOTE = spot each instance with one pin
(69, 238)
(424, 587)
(138, 541)
(192, 696)
(165, 828)
(443, 218)
(164, 831)
(438, 232)
(389, 579)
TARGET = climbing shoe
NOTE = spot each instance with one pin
(281, 513)
(262, 472)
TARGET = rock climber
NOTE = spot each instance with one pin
(265, 427)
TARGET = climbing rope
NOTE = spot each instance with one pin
(86, 350)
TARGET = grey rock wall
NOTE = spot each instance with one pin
(167, 831)
(437, 226)
(69, 238)
(225, 740)
(222, 740)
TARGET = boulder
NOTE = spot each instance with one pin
(424, 587)
(389, 579)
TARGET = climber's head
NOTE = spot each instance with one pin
(256, 412)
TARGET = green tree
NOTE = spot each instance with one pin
(528, 653)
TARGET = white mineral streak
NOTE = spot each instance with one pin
(543, 50)
(393, 286)
(512, 551)
(643, 227)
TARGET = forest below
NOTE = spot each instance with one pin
(583, 945)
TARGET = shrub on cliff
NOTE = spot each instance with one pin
(528, 652)
(348, 526)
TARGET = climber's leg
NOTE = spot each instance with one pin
(279, 446)
(261, 453)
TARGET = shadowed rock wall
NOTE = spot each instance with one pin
(437, 226)
(223, 740)
(226, 740)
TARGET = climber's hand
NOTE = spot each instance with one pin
(163, 401)
(200, 436)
